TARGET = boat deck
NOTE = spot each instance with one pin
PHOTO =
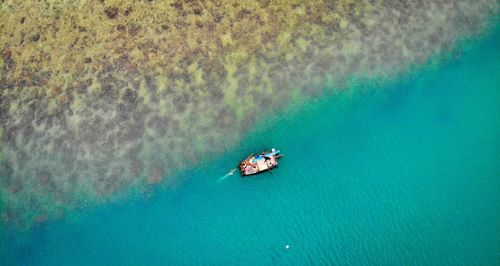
(260, 163)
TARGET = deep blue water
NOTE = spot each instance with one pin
(407, 173)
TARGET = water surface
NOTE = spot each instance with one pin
(407, 173)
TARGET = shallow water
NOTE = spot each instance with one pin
(403, 174)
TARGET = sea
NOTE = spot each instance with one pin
(400, 172)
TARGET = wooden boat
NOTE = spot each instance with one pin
(255, 164)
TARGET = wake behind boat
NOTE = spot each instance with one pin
(255, 164)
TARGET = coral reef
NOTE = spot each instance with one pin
(100, 96)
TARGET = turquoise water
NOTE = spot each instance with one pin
(403, 174)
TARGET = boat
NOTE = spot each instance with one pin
(255, 164)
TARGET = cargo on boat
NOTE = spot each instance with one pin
(255, 164)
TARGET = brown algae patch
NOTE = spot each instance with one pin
(101, 96)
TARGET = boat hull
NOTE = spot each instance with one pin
(256, 173)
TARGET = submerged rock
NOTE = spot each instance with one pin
(35, 37)
(127, 11)
(6, 54)
(111, 12)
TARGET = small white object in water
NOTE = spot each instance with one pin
(287, 246)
